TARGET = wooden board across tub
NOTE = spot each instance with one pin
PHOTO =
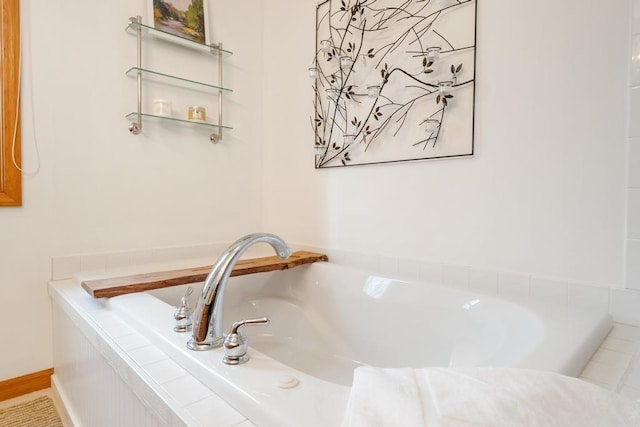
(105, 288)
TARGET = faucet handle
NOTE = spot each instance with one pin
(183, 313)
(235, 344)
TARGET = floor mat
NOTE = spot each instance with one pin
(40, 412)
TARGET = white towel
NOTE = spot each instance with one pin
(499, 397)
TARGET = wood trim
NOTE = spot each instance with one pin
(25, 384)
(10, 176)
(105, 288)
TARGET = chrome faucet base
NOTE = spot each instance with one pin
(235, 360)
(205, 345)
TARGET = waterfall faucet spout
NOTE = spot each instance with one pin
(207, 324)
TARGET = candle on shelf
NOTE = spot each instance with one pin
(162, 107)
(197, 113)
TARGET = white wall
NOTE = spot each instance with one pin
(545, 192)
(102, 189)
(633, 177)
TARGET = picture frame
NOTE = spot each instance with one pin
(185, 19)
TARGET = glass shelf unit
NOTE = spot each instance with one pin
(214, 47)
(133, 71)
(134, 116)
(142, 31)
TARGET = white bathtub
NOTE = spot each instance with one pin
(326, 320)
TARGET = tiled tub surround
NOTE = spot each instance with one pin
(107, 374)
(161, 385)
(616, 364)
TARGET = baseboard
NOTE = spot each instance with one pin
(63, 405)
(25, 384)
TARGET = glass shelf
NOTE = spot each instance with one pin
(214, 47)
(134, 116)
(133, 71)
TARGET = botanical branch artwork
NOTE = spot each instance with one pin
(393, 80)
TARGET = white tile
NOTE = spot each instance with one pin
(635, 25)
(633, 159)
(635, 60)
(197, 251)
(633, 264)
(388, 266)
(633, 379)
(588, 297)
(131, 341)
(354, 259)
(370, 263)
(633, 214)
(165, 370)
(162, 255)
(105, 318)
(513, 285)
(625, 306)
(246, 423)
(118, 330)
(633, 376)
(211, 250)
(147, 355)
(625, 332)
(629, 392)
(186, 390)
(409, 269)
(484, 281)
(431, 272)
(142, 257)
(603, 373)
(549, 290)
(64, 267)
(620, 345)
(634, 126)
(453, 275)
(611, 387)
(346, 258)
(214, 408)
(185, 419)
(612, 358)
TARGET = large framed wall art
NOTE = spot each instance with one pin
(393, 80)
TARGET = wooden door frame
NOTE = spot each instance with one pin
(10, 175)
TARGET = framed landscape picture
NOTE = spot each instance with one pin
(188, 19)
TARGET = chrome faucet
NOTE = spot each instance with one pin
(207, 322)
